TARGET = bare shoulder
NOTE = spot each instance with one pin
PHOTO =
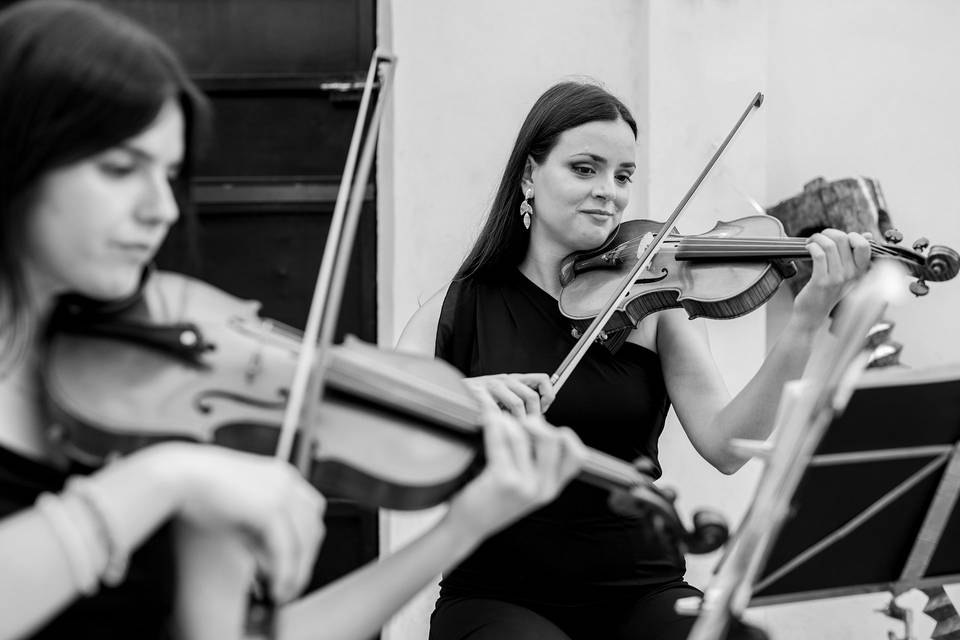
(657, 330)
(676, 325)
(420, 334)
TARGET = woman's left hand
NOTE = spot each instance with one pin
(839, 258)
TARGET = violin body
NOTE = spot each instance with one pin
(116, 384)
(724, 273)
(720, 291)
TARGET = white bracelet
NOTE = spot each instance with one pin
(116, 557)
(65, 528)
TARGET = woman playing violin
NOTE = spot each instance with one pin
(573, 569)
(98, 131)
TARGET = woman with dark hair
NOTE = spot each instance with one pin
(573, 569)
(98, 127)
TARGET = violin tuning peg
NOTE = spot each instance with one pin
(921, 245)
(893, 236)
(919, 288)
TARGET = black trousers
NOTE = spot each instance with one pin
(647, 616)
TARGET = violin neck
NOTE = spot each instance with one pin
(749, 249)
(361, 371)
(607, 472)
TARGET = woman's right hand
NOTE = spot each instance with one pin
(528, 463)
(519, 393)
(276, 511)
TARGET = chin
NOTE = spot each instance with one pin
(119, 283)
(594, 239)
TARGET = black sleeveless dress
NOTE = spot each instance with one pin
(575, 550)
(140, 607)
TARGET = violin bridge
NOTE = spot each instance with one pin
(643, 243)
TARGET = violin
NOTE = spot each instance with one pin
(187, 361)
(726, 272)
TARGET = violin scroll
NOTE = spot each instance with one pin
(709, 532)
(936, 264)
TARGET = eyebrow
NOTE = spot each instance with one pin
(144, 155)
(596, 158)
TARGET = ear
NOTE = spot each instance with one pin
(526, 180)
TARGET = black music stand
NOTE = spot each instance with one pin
(876, 508)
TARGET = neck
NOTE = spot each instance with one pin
(23, 417)
(541, 264)
(19, 341)
(543, 273)
(21, 408)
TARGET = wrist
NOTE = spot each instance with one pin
(168, 467)
(804, 324)
(461, 533)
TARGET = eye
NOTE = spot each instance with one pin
(117, 168)
(624, 178)
(583, 169)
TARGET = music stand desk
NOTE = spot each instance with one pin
(876, 508)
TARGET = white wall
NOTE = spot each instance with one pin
(862, 87)
(852, 87)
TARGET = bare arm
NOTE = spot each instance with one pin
(420, 334)
(528, 462)
(262, 500)
(704, 406)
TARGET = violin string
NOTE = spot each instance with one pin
(713, 240)
(429, 408)
(364, 370)
(457, 409)
(432, 399)
(723, 246)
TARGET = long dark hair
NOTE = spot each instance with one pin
(75, 79)
(503, 240)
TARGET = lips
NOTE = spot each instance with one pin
(597, 212)
(143, 250)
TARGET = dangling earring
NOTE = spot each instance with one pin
(525, 209)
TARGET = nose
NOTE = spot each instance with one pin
(159, 205)
(604, 188)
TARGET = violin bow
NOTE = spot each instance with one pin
(807, 408)
(310, 372)
(573, 358)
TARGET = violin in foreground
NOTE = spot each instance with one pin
(187, 361)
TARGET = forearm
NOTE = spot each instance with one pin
(215, 571)
(40, 555)
(359, 604)
(751, 413)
